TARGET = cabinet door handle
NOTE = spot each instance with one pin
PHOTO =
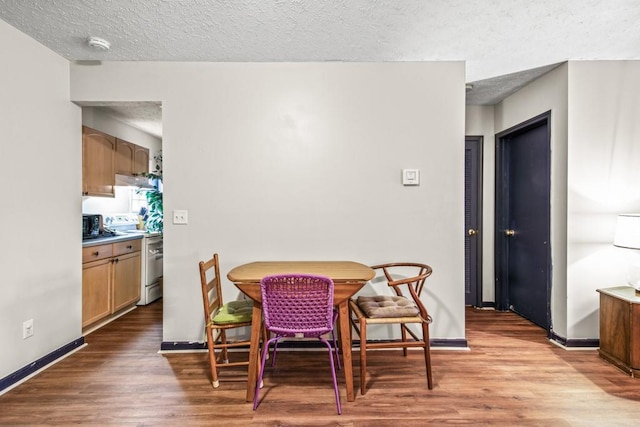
(116, 260)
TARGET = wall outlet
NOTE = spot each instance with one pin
(180, 217)
(27, 329)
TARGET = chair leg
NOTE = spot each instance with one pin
(427, 354)
(265, 336)
(363, 356)
(212, 359)
(265, 350)
(336, 349)
(273, 354)
(403, 330)
(225, 351)
(333, 375)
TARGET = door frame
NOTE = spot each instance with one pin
(475, 201)
(502, 213)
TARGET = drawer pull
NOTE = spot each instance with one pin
(130, 247)
(96, 253)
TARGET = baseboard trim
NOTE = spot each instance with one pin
(21, 375)
(586, 343)
(186, 346)
(182, 346)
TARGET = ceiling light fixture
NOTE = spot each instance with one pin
(98, 43)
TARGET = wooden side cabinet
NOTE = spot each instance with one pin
(620, 328)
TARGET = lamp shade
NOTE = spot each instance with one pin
(627, 231)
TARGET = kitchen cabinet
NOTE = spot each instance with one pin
(98, 163)
(104, 156)
(620, 328)
(140, 160)
(96, 295)
(110, 279)
(131, 159)
(126, 273)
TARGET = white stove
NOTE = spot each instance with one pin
(152, 254)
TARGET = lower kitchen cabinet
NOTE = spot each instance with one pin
(126, 281)
(110, 279)
(96, 295)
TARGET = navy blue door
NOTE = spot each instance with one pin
(523, 252)
(473, 220)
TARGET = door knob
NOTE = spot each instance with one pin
(509, 233)
(472, 232)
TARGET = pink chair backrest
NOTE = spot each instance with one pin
(297, 304)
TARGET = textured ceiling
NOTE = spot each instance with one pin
(504, 43)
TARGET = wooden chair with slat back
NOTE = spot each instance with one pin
(220, 317)
(396, 309)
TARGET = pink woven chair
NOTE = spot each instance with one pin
(299, 306)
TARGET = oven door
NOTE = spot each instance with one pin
(154, 259)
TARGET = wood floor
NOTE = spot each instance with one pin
(512, 376)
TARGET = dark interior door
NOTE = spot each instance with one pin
(473, 220)
(523, 257)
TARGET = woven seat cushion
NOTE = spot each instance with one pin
(387, 306)
(234, 312)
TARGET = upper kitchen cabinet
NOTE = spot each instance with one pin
(131, 159)
(140, 160)
(98, 163)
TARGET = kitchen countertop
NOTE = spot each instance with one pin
(113, 239)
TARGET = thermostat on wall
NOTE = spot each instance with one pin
(410, 176)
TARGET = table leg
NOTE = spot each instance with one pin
(254, 350)
(345, 344)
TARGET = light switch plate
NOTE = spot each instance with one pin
(410, 176)
(180, 217)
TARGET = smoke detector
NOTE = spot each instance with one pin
(98, 43)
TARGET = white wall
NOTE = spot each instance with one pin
(549, 92)
(479, 122)
(603, 177)
(40, 168)
(303, 161)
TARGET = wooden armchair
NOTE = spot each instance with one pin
(397, 309)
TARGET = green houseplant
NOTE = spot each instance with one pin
(154, 221)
